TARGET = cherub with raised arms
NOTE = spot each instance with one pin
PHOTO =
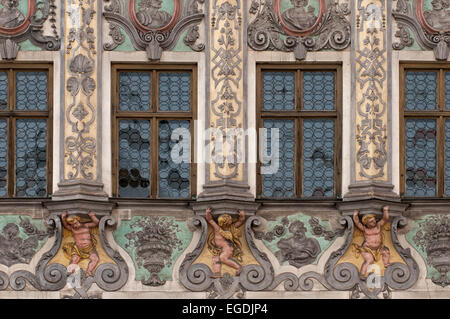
(224, 242)
(84, 245)
(372, 248)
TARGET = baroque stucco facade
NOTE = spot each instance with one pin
(156, 248)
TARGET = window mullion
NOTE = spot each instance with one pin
(299, 160)
(440, 156)
(154, 158)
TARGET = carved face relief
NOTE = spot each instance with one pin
(434, 15)
(154, 15)
(299, 17)
(10, 15)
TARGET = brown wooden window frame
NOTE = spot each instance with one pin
(299, 115)
(12, 115)
(153, 115)
(440, 115)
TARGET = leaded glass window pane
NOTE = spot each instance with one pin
(31, 91)
(134, 91)
(420, 157)
(279, 91)
(174, 92)
(447, 157)
(3, 91)
(31, 157)
(421, 91)
(447, 90)
(318, 157)
(318, 91)
(3, 156)
(281, 184)
(174, 159)
(134, 158)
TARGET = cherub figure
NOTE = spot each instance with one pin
(224, 242)
(84, 245)
(372, 248)
(10, 16)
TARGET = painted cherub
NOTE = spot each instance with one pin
(224, 242)
(372, 248)
(84, 245)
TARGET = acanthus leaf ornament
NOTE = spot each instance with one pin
(329, 30)
(152, 30)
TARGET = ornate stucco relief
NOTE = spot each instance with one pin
(24, 20)
(80, 138)
(431, 237)
(299, 29)
(371, 91)
(429, 22)
(154, 243)
(226, 112)
(151, 28)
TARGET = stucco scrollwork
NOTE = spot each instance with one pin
(17, 27)
(298, 29)
(150, 28)
(431, 28)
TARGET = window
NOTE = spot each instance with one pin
(425, 126)
(303, 103)
(153, 113)
(25, 130)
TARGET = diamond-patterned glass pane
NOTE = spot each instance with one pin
(134, 158)
(3, 91)
(447, 157)
(175, 92)
(447, 90)
(318, 91)
(318, 157)
(281, 183)
(421, 91)
(279, 91)
(134, 91)
(3, 156)
(31, 157)
(420, 157)
(174, 159)
(31, 91)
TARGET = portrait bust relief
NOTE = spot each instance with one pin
(151, 16)
(10, 15)
(439, 16)
(301, 16)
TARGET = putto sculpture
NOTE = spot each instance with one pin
(224, 242)
(84, 245)
(373, 247)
